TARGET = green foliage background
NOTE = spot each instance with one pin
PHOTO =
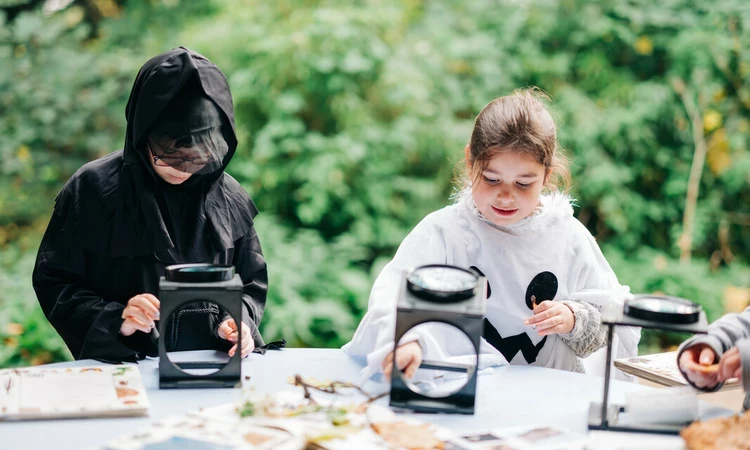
(353, 115)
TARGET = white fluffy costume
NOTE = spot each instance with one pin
(550, 255)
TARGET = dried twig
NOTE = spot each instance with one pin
(332, 388)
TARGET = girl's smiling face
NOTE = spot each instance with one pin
(508, 189)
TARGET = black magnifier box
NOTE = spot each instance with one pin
(189, 283)
(657, 312)
(449, 295)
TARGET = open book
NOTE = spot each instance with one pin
(58, 393)
(660, 368)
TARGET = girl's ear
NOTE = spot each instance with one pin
(547, 175)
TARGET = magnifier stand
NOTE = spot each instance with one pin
(466, 316)
(602, 415)
(226, 294)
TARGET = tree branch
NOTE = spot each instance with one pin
(696, 169)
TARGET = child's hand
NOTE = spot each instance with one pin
(697, 363)
(139, 314)
(551, 318)
(228, 330)
(408, 360)
(730, 365)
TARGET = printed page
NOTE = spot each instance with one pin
(660, 368)
(532, 437)
(46, 391)
(50, 393)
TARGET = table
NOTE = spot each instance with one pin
(509, 396)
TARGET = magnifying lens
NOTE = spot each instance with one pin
(663, 308)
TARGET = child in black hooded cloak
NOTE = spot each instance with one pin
(163, 199)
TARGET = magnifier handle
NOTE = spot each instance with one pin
(154, 333)
(446, 366)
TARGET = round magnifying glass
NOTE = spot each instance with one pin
(199, 273)
(663, 308)
(190, 327)
(448, 367)
(442, 283)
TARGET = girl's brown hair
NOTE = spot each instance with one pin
(519, 122)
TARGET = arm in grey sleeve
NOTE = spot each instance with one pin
(588, 333)
(723, 334)
(743, 346)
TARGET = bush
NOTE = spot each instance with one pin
(27, 336)
(650, 272)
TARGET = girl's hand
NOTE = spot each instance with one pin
(140, 313)
(228, 331)
(408, 360)
(697, 363)
(551, 318)
(730, 365)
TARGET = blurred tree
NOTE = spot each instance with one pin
(56, 109)
(647, 84)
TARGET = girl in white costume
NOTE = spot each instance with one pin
(547, 278)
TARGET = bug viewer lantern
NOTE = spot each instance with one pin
(442, 308)
(189, 293)
(659, 312)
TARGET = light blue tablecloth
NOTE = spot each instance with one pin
(510, 396)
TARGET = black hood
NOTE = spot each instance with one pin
(118, 206)
(156, 87)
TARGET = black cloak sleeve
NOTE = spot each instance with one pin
(249, 262)
(88, 323)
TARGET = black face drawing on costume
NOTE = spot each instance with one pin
(489, 288)
(542, 287)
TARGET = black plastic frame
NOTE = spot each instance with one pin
(455, 314)
(632, 309)
(198, 273)
(602, 415)
(173, 295)
(440, 296)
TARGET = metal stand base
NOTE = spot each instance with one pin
(611, 422)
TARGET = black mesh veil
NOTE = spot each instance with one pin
(188, 134)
